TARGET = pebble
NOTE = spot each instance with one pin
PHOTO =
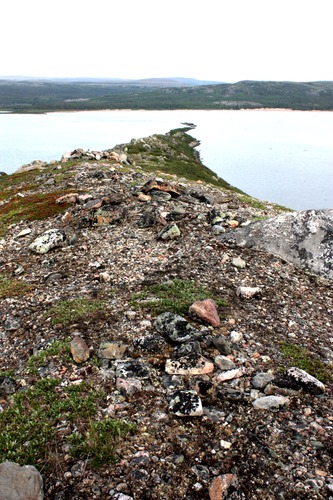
(238, 262)
(236, 337)
(224, 363)
(229, 375)
(188, 366)
(248, 292)
(170, 232)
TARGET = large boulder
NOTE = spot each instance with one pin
(20, 483)
(304, 238)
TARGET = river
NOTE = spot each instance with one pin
(282, 156)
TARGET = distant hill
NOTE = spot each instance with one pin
(39, 95)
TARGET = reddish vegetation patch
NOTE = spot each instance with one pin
(32, 207)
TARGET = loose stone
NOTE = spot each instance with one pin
(52, 238)
(188, 366)
(229, 375)
(220, 485)
(175, 327)
(222, 345)
(270, 402)
(79, 349)
(224, 363)
(170, 232)
(236, 337)
(307, 381)
(261, 380)
(186, 404)
(238, 262)
(206, 310)
(20, 483)
(248, 292)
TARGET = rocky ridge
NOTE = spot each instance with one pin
(219, 357)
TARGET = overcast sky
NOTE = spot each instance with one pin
(221, 40)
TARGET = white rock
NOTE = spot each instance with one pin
(307, 381)
(270, 402)
(186, 404)
(52, 238)
(248, 292)
(229, 375)
(236, 336)
(183, 366)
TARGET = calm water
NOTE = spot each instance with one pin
(281, 156)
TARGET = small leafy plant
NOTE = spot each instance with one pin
(98, 441)
(56, 348)
(29, 425)
(70, 311)
(307, 361)
(173, 296)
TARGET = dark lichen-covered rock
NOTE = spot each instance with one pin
(304, 238)
(186, 404)
(175, 327)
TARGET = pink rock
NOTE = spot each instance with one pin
(206, 310)
(67, 198)
(79, 349)
(220, 485)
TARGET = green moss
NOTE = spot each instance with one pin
(174, 296)
(11, 287)
(58, 348)
(98, 442)
(29, 427)
(261, 205)
(302, 358)
(70, 311)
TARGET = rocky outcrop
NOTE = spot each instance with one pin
(304, 238)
